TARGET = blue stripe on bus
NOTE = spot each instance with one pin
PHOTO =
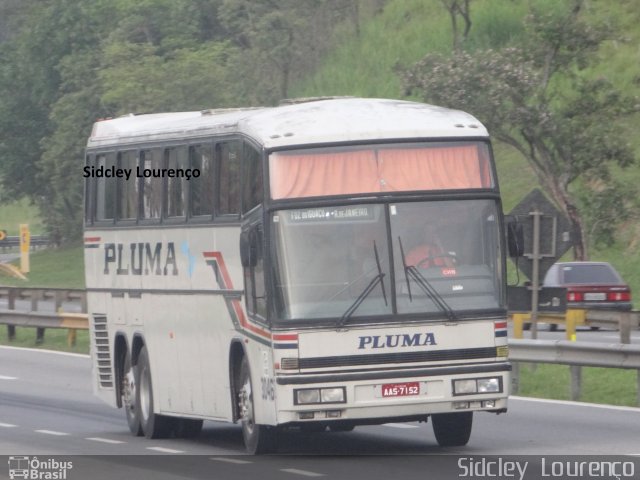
(501, 333)
(285, 345)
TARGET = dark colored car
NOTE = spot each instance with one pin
(590, 285)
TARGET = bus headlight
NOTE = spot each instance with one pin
(462, 387)
(488, 385)
(470, 386)
(308, 396)
(332, 395)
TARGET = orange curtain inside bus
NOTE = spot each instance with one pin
(371, 171)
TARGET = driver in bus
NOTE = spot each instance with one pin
(430, 253)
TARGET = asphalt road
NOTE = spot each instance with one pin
(47, 409)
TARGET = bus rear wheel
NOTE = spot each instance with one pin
(452, 429)
(153, 425)
(130, 380)
(258, 439)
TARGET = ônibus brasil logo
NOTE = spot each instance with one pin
(36, 469)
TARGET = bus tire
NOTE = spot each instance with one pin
(153, 425)
(452, 429)
(258, 439)
(188, 427)
(130, 379)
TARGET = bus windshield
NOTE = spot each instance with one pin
(436, 258)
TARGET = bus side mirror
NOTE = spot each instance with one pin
(515, 239)
(249, 248)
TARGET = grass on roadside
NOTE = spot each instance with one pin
(54, 339)
(611, 386)
(63, 267)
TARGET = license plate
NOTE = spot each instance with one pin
(598, 297)
(401, 389)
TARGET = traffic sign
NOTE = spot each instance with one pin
(555, 232)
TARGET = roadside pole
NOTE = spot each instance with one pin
(25, 243)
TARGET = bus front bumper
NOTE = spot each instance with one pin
(381, 396)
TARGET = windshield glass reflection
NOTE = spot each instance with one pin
(326, 259)
(335, 262)
(446, 256)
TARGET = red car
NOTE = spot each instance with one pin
(590, 285)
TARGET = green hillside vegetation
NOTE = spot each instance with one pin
(15, 213)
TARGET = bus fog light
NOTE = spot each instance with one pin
(489, 403)
(334, 413)
(461, 387)
(306, 396)
(488, 385)
(332, 395)
(460, 405)
(306, 415)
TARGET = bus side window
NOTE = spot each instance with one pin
(228, 177)
(252, 179)
(176, 204)
(127, 188)
(201, 188)
(151, 186)
(105, 189)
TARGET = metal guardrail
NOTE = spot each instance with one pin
(33, 317)
(35, 242)
(577, 355)
(585, 354)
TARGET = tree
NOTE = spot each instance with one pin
(280, 41)
(539, 99)
(458, 8)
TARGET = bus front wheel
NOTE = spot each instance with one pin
(257, 438)
(153, 425)
(452, 429)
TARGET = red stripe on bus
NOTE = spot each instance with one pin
(245, 324)
(501, 325)
(286, 336)
(92, 239)
(228, 284)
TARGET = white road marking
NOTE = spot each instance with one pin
(230, 460)
(52, 432)
(399, 425)
(305, 473)
(4, 377)
(165, 450)
(43, 350)
(7, 425)
(576, 404)
(104, 440)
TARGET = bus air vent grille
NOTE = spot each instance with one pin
(102, 351)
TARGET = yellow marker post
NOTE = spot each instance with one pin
(25, 243)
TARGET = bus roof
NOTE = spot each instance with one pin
(313, 122)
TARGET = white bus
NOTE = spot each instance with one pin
(267, 266)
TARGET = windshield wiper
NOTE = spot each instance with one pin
(378, 279)
(423, 283)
